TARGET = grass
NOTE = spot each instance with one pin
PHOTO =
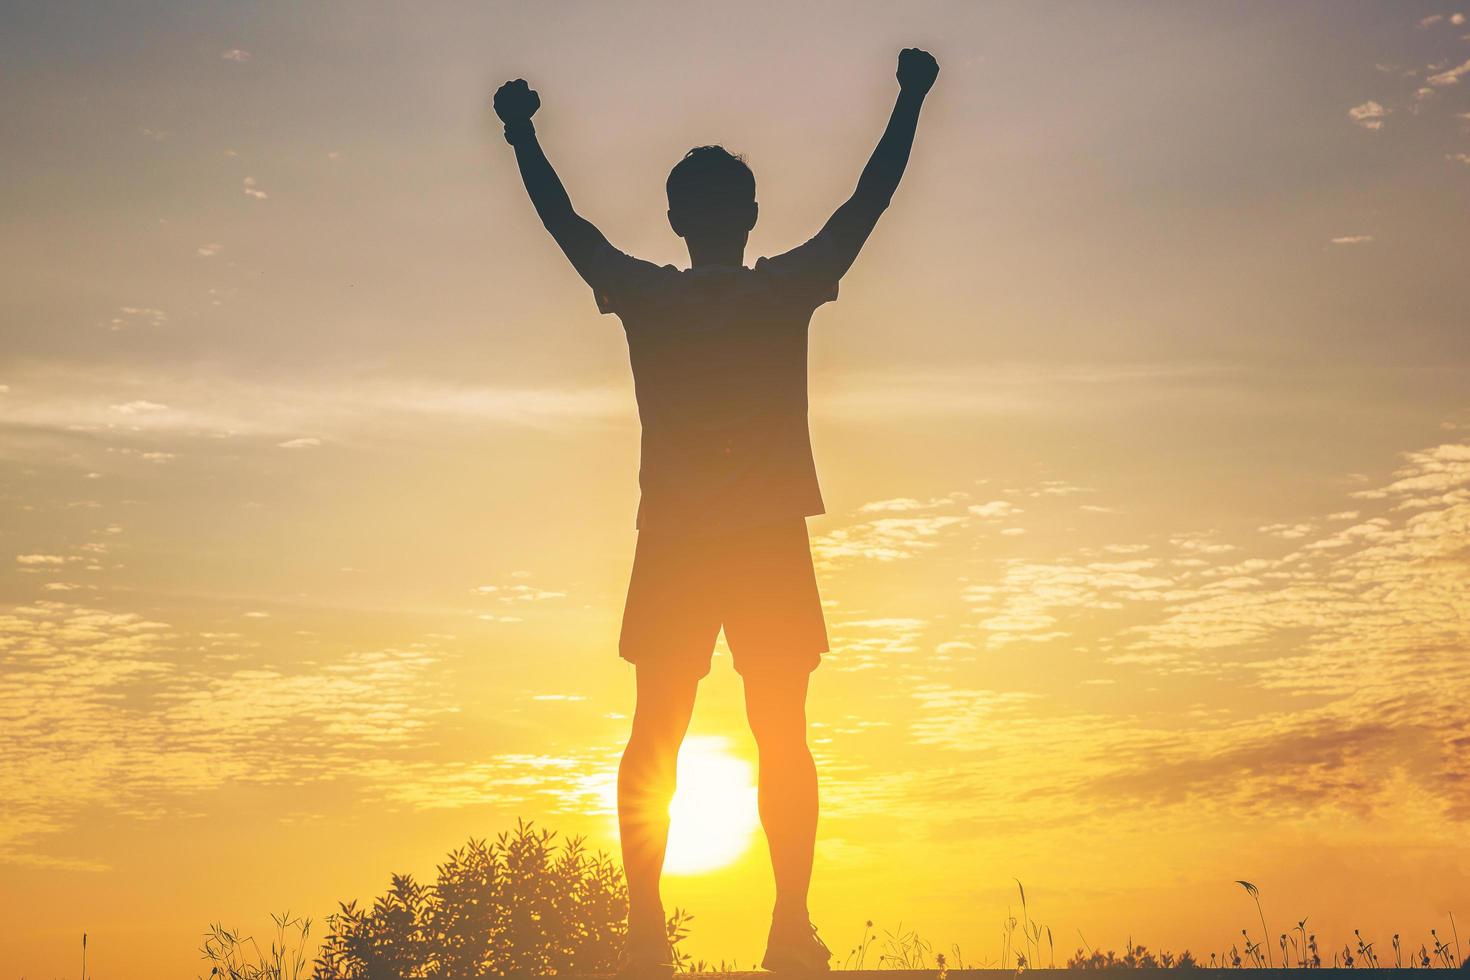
(235, 956)
(530, 905)
(1026, 944)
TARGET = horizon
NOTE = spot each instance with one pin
(1141, 423)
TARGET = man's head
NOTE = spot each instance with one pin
(712, 197)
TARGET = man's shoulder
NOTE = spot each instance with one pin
(801, 276)
(622, 282)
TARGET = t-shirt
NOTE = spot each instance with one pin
(719, 356)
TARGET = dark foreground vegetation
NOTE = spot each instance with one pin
(528, 904)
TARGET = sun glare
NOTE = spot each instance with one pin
(713, 816)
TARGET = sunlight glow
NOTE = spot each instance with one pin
(713, 816)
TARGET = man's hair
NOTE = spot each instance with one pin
(708, 179)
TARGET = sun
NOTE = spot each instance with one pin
(713, 817)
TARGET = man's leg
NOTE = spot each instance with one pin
(775, 704)
(645, 787)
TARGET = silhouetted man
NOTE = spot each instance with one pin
(719, 367)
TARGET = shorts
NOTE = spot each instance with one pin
(756, 581)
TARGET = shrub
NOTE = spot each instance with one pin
(1136, 958)
(518, 905)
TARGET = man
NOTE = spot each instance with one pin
(719, 367)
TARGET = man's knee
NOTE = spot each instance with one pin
(652, 749)
(663, 709)
(782, 743)
(779, 728)
(776, 709)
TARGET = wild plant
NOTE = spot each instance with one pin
(234, 956)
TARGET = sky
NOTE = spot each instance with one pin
(1142, 424)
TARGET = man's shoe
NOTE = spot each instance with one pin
(646, 959)
(795, 947)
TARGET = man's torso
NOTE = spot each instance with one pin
(719, 358)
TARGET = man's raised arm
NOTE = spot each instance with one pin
(849, 227)
(515, 104)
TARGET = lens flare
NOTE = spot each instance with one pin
(713, 816)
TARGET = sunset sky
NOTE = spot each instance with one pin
(1143, 425)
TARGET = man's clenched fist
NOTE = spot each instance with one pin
(515, 101)
(917, 70)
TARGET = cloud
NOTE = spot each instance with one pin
(252, 190)
(580, 781)
(79, 412)
(1357, 612)
(40, 560)
(1369, 115)
(902, 504)
(208, 250)
(1059, 488)
(860, 644)
(1302, 765)
(953, 717)
(518, 593)
(138, 407)
(1287, 531)
(305, 442)
(63, 401)
(1017, 388)
(236, 55)
(1200, 542)
(1033, 602)
(1451, 76)
(128, 316)
(110, 710)
(882, 539)
(1315, 665)
(1352, 240)
(1348, 649)
(1456, 19)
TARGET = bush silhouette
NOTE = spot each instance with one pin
(521, 904)
(1137, 958)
